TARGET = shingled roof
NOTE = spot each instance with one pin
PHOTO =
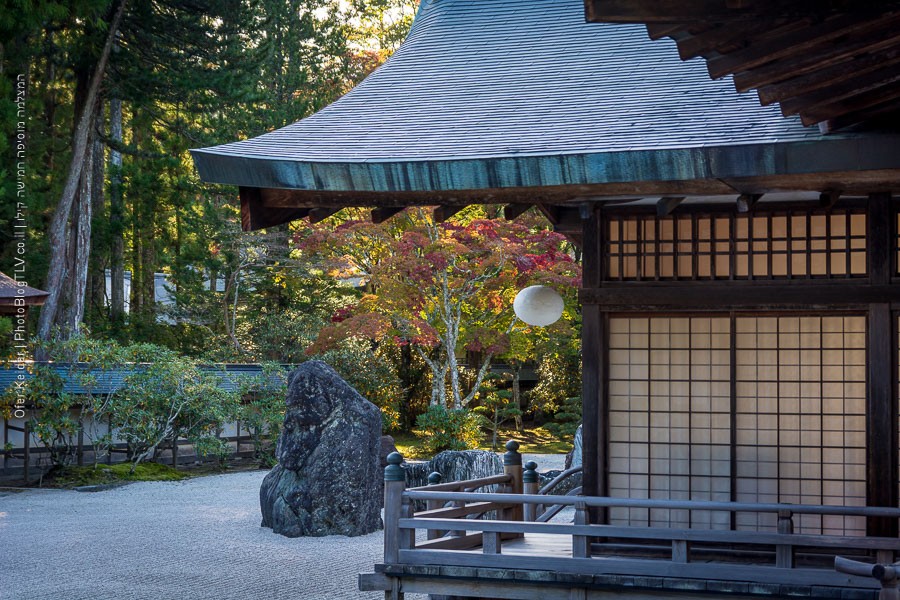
(501, 95)
(10, 290)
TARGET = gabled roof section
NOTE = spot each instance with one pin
(10, 290)
(496, 100)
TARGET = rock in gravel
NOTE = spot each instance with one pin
(327, 481)
(573, 458)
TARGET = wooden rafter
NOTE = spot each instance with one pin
(830, 61)
(812, 40)
(320, 214)
(444, 212)
(512, 212)
(382, 214)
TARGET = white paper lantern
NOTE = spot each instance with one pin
(538, 305)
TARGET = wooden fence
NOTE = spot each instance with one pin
(463, 527)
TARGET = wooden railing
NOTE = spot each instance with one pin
(452, 536)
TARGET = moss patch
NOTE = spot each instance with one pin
(109, 474)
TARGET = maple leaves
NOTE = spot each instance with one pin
(440, 287)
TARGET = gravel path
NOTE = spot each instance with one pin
(198, 539)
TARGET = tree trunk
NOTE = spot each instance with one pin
(80, 250)
(56, 276)
(116, 218)
(99, 256)
(517, 396)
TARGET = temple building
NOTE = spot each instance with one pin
(741, 272)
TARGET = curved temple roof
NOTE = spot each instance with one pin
(511, 95)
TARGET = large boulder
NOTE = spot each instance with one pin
(327, 481)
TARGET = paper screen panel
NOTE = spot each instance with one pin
(800, 418)
(670, 417)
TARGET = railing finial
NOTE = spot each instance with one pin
(393, 472)
(435, 478)
(512, 456)
(530, 475)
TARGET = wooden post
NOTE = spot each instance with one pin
(784, 553)
(531, 485)
(881, 404)
(580, 545)
(394, 485)
(512, 466)
(80, 453)
(434, 478)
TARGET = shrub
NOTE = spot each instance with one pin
(444, 429)
(262, 410)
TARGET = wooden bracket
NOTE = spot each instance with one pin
(382, 214)
(665, 206)
(829, 198)
(444, 212)
(746, 202)
(512, 212)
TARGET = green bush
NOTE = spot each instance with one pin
(261, 412)
(444, 429)
(371, 374)
(169, 397)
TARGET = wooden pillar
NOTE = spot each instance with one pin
(881, 376)
(394, 485)
(594, 363)
(512, 466)
(530, 485)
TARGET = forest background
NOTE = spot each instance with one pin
(103, 100)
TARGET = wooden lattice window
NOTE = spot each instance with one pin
(776, 245)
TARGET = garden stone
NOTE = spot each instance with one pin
(573, 458)
(327, 481)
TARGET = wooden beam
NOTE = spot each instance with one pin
(730, 37)
(827, 56)
(511, 212)
(665, 206)
(718, 11)
(806, 40)
(738, 295)
(320, 214)
(829, 198)
(382, 214)
(829, 77)
(444, 212)
(833, 110)
(887, 110)
(656, 31)
(746, 202)
(866, 83)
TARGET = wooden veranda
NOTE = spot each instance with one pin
(471, 543)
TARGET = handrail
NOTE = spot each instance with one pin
(607, 502)
(556, 480)
(473, 484)
(557, 508)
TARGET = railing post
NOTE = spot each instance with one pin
(580, 545)
(434, 478)
(512, 466)
(530, 485)
(784, 553)
(394, 485)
